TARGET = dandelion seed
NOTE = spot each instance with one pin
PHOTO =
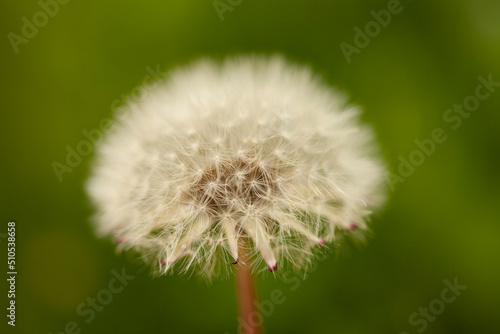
(264, 160)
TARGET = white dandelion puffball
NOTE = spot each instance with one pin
(254, 156)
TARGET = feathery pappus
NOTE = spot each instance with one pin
(253, 155)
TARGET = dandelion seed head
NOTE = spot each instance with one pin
(253, 154)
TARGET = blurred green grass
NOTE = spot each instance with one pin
(441, 223)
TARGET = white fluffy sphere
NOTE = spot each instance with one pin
(253, 155)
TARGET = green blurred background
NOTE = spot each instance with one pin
(442, 223)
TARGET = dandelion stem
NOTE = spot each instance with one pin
(247, 300)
